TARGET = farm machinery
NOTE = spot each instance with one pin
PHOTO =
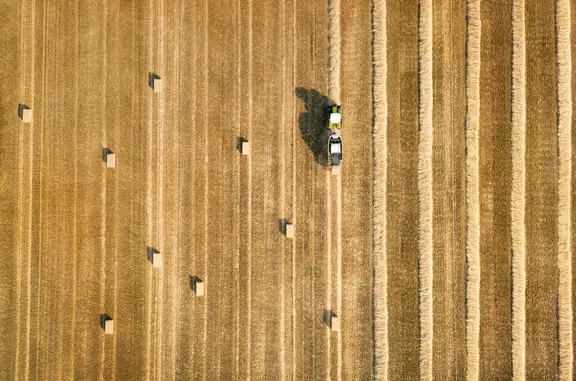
(334, 140)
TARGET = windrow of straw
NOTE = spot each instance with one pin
(425, 188)
(472, 191)
(565, 315)
(518, 199)
(379, 190)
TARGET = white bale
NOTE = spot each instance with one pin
(27, 115)
(156, 259)
(336, 170)
(335, 323)
(109, 327)
(199, 288)
(289, 230)
(157, 85)
(111, 160)
(245, 148)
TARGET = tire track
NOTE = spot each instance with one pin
(380, 105)
(425, 189)
(472, 191)
(564, 83)
(518, 200)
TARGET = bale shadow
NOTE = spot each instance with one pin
(314, 122)
(239, 142)
(282, 225)
(193, 280)
(327, 316)
(105, 152)
(21, 108)
(151, 78)
(150, 251)
(103, 318)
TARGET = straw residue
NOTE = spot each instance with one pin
(379, 193)
(425, 189)
(565, 315)
(472, 191)
(518, 199)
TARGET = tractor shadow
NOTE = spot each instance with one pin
(314, 122)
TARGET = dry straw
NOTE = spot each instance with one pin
(472, 192)
(334, 50)
(379, 193)
(518, 190)
(425, 189)
(564, 54)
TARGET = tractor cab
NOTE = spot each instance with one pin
(335, 117)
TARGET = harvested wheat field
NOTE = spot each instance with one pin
(156, 155)
(473, 190)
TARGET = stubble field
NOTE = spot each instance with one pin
(445, 247)
(78, 236)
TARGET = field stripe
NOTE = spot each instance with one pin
(206, 186)
(518, 201)
(380, 99)
(564, 58)
(283, 195)
(334, 53)
(19, 212)
(425, 189)
(149, 351)
(104, 143)
(294, 205)
(42, 187)
(30, 206)
(249, 211)
(159, 14)
(75, 208)
(472, 191)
